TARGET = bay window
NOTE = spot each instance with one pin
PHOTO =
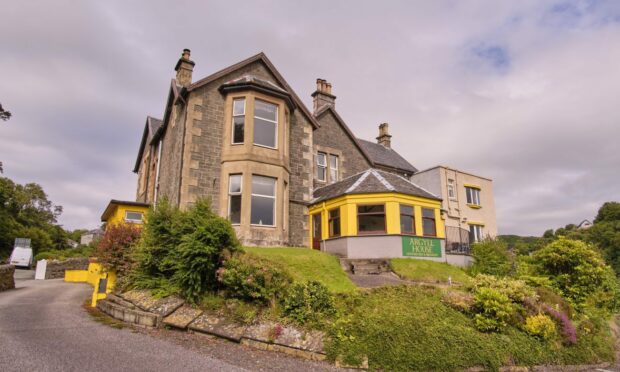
(428, 222)
(334, 222)
(263, 201)
(371, 219)
(265, 124)
(238, 122)
(234, 198)
(407, 220)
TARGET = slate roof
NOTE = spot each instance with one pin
(371, 181)
(386, 156)
(151, 128)
(154, 125)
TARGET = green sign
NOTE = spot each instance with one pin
(421, 247)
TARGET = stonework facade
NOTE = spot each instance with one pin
(204, 148)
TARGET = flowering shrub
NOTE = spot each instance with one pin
(540, 326)
(567, 329)
(113, 249)
(252, 278)
(515, 290)
(308, 301)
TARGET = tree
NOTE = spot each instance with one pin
(4, 114)
(610, 211)
(491, 257)
(25, 211)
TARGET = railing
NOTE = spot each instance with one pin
(457, 240)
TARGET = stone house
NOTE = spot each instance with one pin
(242, 138)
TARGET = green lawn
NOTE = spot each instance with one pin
(307, 264)
(428, 271)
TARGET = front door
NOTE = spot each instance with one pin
(316, 231)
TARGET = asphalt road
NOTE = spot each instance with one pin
(43, 327)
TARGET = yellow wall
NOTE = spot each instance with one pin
(118, 216)
(348, 212)
(92, 276)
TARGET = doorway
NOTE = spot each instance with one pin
(316, 231)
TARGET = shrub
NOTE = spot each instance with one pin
(492, 257)
(548, 296)
(540, 326)
(492, 308)
(567, 329)
(575, 268)
(201, 251)
(458, 300)
(515, 290)
(113, 249)
(308, 301)
(253, 278)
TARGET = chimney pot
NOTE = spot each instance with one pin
(184, 69)
(384, 135)
(323, 95)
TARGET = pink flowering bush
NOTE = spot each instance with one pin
(113, 249)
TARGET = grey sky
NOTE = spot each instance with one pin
(524, 92)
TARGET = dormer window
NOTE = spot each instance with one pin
(238, 123)
(265, 124)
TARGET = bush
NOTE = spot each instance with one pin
(113, 249)
(493, 310)
(491, 257)
(253, 278)
(461, 301)
(567, 329)
(575, 268)
(540, 326)
(308, 301)
(515, 290)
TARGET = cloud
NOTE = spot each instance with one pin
(522, 92)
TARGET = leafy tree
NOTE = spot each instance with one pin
(609, 212)
(492, 257)
(548, 234)
(25, 211)
(4, 114)
(575, 268)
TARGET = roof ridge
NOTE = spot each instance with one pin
(383, 181)
(359, 181)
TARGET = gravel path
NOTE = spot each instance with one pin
(43, 327)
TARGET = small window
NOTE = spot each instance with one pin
(473, 195)
(428, 222)
(238, 122)
(263, 201)
(265, 124)
(451, 193)
(475, 233)
(371, 219)
(407, 220)
(234, 198)
(133, 217)
(321, 166)
(334, 222)
(333, 168)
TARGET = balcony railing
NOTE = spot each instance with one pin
(457, 241)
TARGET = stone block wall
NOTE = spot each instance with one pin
(6, 277)
(56, 269)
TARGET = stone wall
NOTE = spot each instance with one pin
(171, 157)
(56, 269)
(6, 277)
(331, 135)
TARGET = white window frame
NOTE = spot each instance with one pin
(336, 168)
(232, 121)
(319, 165)
(130, 220)
(231, 193)
(451, 190)
(274, 197)
(275, 133)
(477, 232)
(473, 195)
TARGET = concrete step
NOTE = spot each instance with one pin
(369, 266)
(126, 314)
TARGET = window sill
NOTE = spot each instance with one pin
(257, 225)
(265, 147)
(134, 222)
(371, 233)
(474, 206)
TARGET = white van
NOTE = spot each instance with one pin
(22, 254)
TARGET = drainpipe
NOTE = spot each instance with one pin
(157, 173)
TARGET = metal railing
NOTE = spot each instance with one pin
(457, 240)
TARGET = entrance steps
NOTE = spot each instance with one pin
(365, 266)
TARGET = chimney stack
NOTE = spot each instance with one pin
(184, 69)
(384, 136)
(323, 95)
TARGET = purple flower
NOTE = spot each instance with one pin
(568, 330)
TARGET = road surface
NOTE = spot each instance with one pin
(43, 327)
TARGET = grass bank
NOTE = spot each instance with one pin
(428, 271)
(307, 264)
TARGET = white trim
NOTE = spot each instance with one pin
(240, 193)
(383, 181)
(274, 197)
(232, 121)
(324, 166)
(131, 220)
(358, 182)
(275, 132)
(336, 168)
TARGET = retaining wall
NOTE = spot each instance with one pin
(56, 269)
(6, 277)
